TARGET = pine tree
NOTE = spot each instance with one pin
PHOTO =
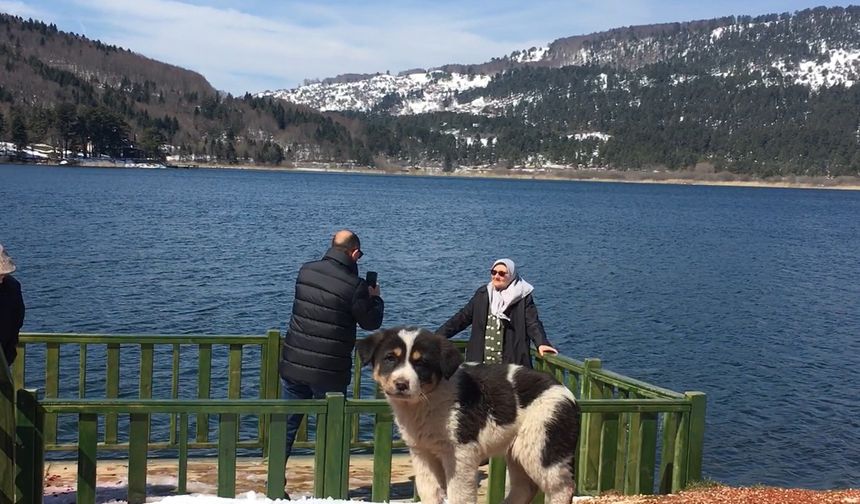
(20, 136)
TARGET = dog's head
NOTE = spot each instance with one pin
(408, 362)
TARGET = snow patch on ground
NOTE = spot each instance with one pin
(248, 497)
(420, 92)
(839, 66)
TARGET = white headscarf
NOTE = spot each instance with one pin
(516, 289)
(7, 265)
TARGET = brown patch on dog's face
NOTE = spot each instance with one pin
(388, 353)
(431, 359)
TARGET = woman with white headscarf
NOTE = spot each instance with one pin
(504, 320)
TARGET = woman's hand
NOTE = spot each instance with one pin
(544, 349)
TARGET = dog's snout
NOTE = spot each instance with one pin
(401, 385)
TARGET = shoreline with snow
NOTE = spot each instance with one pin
(681, 177)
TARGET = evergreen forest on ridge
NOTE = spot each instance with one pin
(767, 96)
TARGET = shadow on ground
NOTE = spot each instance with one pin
(108, 494)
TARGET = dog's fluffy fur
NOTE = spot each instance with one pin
(452, 417)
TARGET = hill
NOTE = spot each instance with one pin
(759, 96)
(767, 95)
(85, 96)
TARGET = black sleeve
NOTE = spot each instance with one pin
(461, 320)
(534, 327)
(367, 310)
(21, 309)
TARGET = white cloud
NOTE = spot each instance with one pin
(239, 52)
(21, 9)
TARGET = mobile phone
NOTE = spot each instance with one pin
(371, 278)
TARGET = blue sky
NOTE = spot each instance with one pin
(256, 45)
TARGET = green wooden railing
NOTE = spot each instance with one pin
(151, 355)
(8, 468)
(140, 412)
(621, 420)
(635, 437)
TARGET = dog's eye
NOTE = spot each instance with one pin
(390, 358)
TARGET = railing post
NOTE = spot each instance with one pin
(7, 434)
(496, 480)
(234, 372)
(269, 358)
(138, 446)
(344, 452)
(228, 434)
(698, 401)
(382, 441)
(670, 422)
(273, 353)
(174, 394)
(30, 450)
(276, 481)
(204, 383)
(682, 451)
(182, 477)
(320, 450)
(18, 372)
(588, 462)
(112, 392)
(52, 387)
(87, 442)
(335, 435)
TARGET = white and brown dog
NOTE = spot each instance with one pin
(452, 417)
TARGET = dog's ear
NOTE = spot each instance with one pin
(367, 346)
(451, 357)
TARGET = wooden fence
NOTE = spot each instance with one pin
(635, 437)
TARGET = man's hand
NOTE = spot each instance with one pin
(374, 291)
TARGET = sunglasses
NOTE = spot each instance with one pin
(500, 273)
(360, 254)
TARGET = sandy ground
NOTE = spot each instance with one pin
(61, 476)
(60, 480)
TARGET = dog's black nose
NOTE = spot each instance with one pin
(401, 385)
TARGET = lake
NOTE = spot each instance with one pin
(750, 295)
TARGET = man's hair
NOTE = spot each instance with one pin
(345, 240)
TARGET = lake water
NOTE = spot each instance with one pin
(749, 295)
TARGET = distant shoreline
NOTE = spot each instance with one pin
(723, 179)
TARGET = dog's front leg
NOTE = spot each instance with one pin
(429, 477)
(461, 472)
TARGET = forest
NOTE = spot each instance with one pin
(671, 114)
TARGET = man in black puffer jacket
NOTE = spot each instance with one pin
(316, 355)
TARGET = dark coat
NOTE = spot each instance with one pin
(11, 316)
(330, 299)
(524, 326)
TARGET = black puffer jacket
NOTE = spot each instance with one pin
(330, 300)
(11, 316)
(523, 328)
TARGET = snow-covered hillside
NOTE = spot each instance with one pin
(416, 93)
(810, 48)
